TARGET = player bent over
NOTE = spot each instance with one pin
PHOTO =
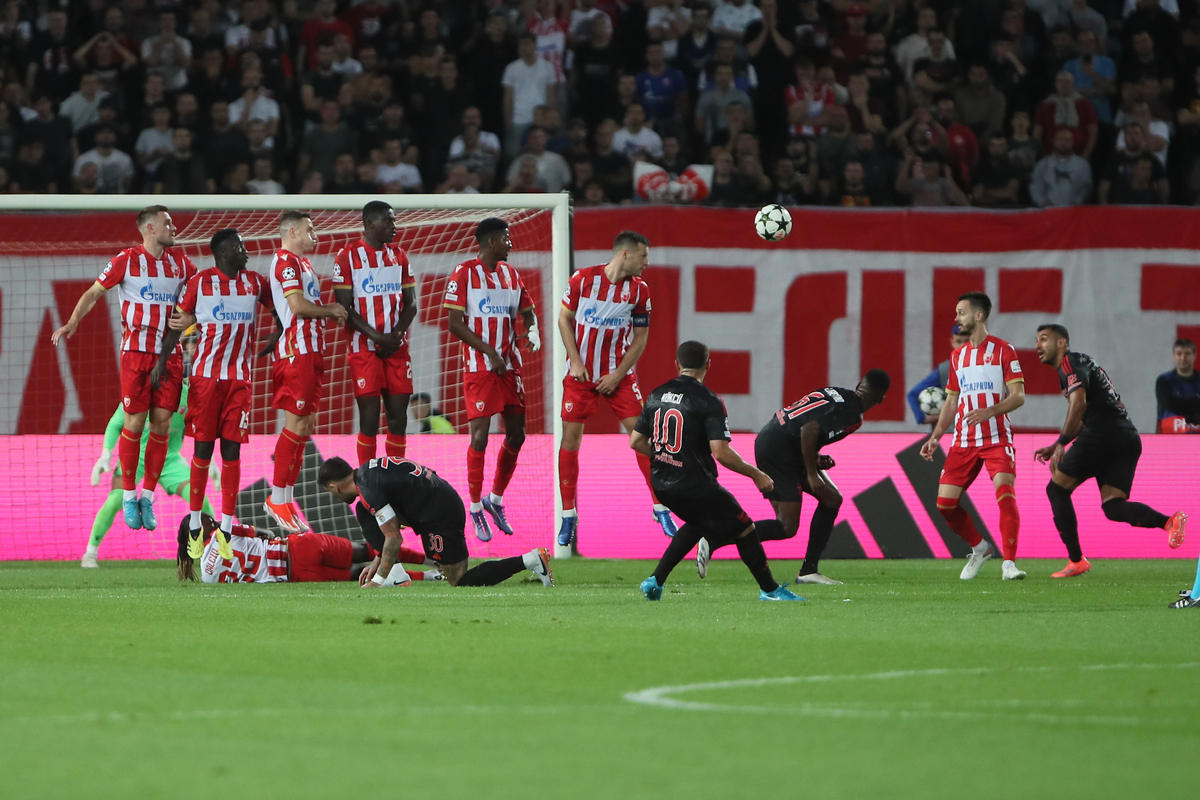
(372, 279)
(148, 279)
(401, 492)
(982, 371)
(1106, 447)
(222, 302)
(299, 364)
(788, 448)
(604, 322)
(484, 297)
(681, 430)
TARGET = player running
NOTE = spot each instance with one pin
(981, 371)
(484, 297)
(299, 364)
(222, 302)
(372, 279)
(788, 448)
(399, 493)
(604, 323)
(148, 279)
(1106, 447)
(681, 430)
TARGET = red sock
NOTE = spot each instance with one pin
(156, 456)
(644, 464)
(366, 448)
(506, 464)
(395, 445)
(475, 473)
(408, 556)
(127, 455)
(285, 456)
(1010, 521)
(568, 477)
(199, 483)
(297, 462)
(415, 575)
(231, 479)
(958, 520)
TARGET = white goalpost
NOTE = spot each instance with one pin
(53, 246)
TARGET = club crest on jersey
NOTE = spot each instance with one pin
(288, 273)
(299, 405)
(987, 358)
(568, 406)
(625, 295)
(126, 401)
(362, 383)
(479, 405)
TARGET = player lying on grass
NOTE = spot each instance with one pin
(682, 429)
(1106, 447)
(175, 477)
(259, 557)
(399, 493)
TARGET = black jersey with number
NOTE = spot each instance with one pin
(681, 417)
(1104, 410)
(838, 411)
(397, 487)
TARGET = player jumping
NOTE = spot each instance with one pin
(299, 365)
(148, 278)
(981, 371)
(681, 430)
(604, 323)
(1106, 447)
(484, 297)
(374, 282)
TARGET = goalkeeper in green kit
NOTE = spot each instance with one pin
(175, 478)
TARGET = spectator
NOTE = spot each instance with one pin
(1061, 178)
(938, 71)
(110, 117)
(808, 101)
(673, 159)
(1062, 50)
(1024, 149)
(814, 31)
(865, 111)
(732, 17)
(528, 82)
(323, 143)
(344, 62)
(184, 170)
(236, 179)
(594, 71)
(312, 183)
(187, 112)
(473, 118)
(1083, 17)
(552, 170)
(585, 11)
(887, 80)
(372, 22)
(223, 142)
(395, 174)
(1068, 110)
(577, 141)
(9, 134)
(523, 176)
(737, 122)
(726, 191)
(53, 130)
(88, 179)
(1178, 392)
(771, 52)
(237, 37)
(928, 182)
(916, 45)
(788, 185)
(1144, 60)
(581, 175)
(426, 418)
(154, 93)
(635, 138)
(345, 178)
(962, 148)
(114, 168)
(698, 47)
(996, 183)
(612, 169)
(485, 65)
(593, 195)
(981, 106)
(480, 160)
(256, 142)
(1142, 188)
(879, 169)
(202, 34)
(169, 53)
(255, 103)
(551, 31)
(710, 116)
(745, 77)
(1012, 76)
(850, 46)
(852, 192)
(82, 108)
(458, 181)
(323, 25)
(154, 144)
(1117, 185)
(51, 67)
(837, 145)
(1157, 132)
(208, 78)
(391, 125)
(104, 57)
(667, 23)
(323, 83)
(547, 118)
(264, 181)
(663, 89)
(756, 186)
(1095, 75)
(33, 174)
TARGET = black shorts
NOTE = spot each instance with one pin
(1110, 456)
(714, 510)
(445, 541)
(778, 454)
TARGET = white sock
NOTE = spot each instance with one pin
(981, 548)
(129, 494)
(92, 550)
(476, 507)
(568, 512)
(227, 523)
(195, 522)
(497, 499)
(660, 507)
(148, 494)
(289, 494)
(278, 495)
(532, 561)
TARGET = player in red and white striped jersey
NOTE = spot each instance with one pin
(984, 386)
(148, 279)
(484, 297)
(222, 303)
(299, 365)
(373, 280)
(604, 323)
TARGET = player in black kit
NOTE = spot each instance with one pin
(788, 449)
(399, 492)
(682, 428)
(1107, 447)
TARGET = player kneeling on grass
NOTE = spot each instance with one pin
(401, 492)
(1107, 447)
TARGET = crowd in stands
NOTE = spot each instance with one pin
(992, 103)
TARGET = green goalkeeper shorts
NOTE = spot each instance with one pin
(176, 472)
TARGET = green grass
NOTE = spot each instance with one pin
(119, 683)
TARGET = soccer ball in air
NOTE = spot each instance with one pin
(773, 222)
(931, 399)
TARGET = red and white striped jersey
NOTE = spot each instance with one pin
(551, 41)
(605, 315)
(490, 301)
(378, 279)
(255, 560)
(225, 309)
(291, 274)
(149, 289)
(979, 373)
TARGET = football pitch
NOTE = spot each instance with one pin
(904, 683)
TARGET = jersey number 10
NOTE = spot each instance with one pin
(668, 430)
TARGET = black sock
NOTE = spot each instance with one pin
(751, 551)
(770, 530)
(685, 539)
(1138, 515)
(489, 573)
(1065, 519)
(819, 531)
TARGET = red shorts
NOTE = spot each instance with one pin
(318, 558)
(372, 374)
(137, 395)
(486, 393)
(298, 383)
(580, 399)
(218, 409)
(963, 463)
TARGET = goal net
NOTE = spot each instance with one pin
(58, 401)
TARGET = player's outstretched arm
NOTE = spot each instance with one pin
(566, 329)
(727, 457)
(457, 326)
(945, 420)
(86, 301)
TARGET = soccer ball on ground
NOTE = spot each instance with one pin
(931, 399)
(773, 222)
